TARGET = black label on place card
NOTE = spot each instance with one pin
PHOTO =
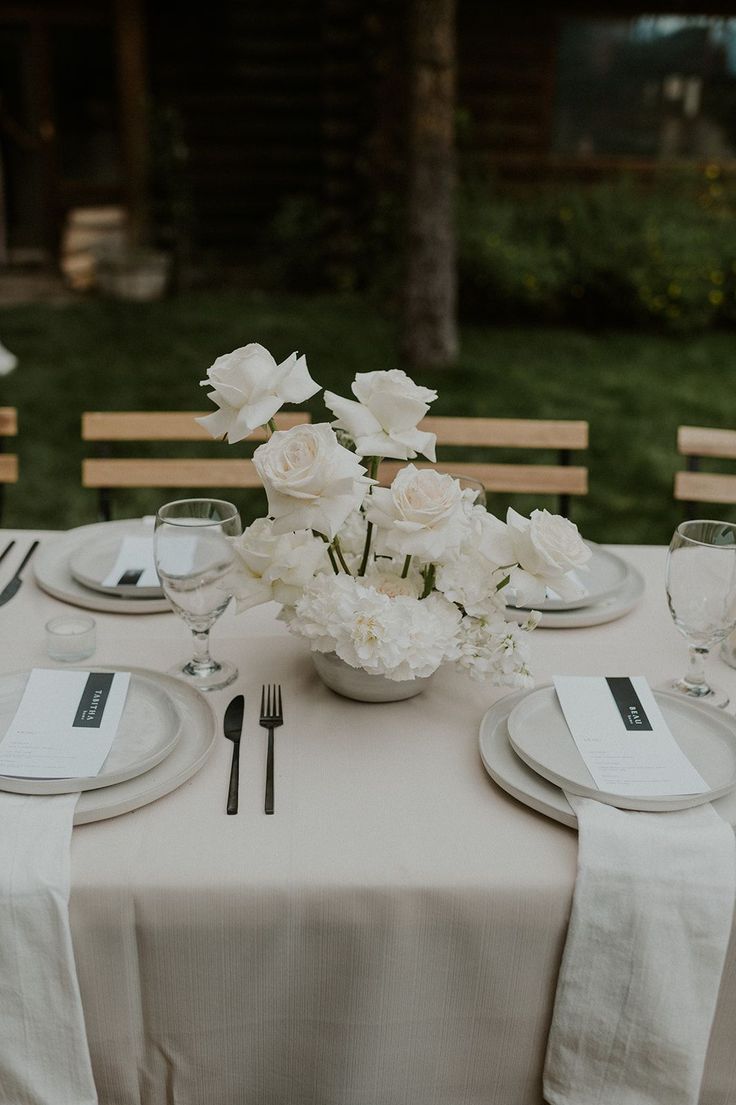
(629, 706)
(93, 701)
(130, 578)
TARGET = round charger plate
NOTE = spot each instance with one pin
(513, 776)
(196, 741)
(91, 563)
(540, 736)
(608, 610)
(605, 576)
(53, 573)
(149, 728)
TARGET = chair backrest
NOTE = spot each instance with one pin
(8, 461)
(562, 479)
(105, 428)
(694, 486)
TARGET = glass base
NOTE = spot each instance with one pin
(713, 696)
(212, 678)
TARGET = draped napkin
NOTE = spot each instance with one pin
(44, 1057)
(647, 939)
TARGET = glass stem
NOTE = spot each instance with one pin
(695, 674)
(201, 658)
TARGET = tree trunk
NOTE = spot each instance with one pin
(429, 338)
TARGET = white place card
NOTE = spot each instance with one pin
(134, 564)
(64, 725)
(623, 738)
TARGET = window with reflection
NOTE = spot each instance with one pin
(657, 86)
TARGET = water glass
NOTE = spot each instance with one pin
(701, 594)
(194, 559)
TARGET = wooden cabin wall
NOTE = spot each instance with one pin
(307, 98)
(271, 102)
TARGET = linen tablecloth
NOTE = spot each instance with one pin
(391, 936)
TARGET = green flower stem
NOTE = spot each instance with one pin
(366, 549)
(338, 553)
(333, 562)
(373, 463)
(429, 574)
(271, 425)
(405, 571)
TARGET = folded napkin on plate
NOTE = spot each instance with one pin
(649, 929)
(44, 1057)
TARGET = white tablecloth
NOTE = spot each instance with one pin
(391, 936)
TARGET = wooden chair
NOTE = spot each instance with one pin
(105, 472)
(562, 479)
(8, 461)
(693, 486)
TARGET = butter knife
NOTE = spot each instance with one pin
(233, 726)
(14, 585)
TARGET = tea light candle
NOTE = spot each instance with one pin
(70, 637)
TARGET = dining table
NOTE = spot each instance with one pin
(391, 935)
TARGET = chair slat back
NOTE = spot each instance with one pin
(561, 479)
(8, 461)
(694, 486)
(515, 433)
(164, 425)
(105, 428)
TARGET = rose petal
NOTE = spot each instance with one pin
(297, 385)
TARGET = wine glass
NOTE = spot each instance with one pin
(701, 594)
(194, 559)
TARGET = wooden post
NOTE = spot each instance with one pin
(133, 95)
(429, 336)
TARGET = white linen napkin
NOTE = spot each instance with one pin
(647, 939)
(44, 1057)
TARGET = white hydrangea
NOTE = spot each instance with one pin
(396, 636)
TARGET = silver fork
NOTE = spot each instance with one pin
(272, 715)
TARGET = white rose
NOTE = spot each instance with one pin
(8, 361)
(547, 544)
(422, 514)
(274, 568)
(249, 388)
(384, 421)
(311, 481)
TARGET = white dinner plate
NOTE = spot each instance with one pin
(190, 753)
(605, 576)
(149, 729)
(513, 776)
(540, 736)
(91, 563)
(598, 613)
(53, 572)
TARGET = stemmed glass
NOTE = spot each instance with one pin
(194, 559)
(701, 593)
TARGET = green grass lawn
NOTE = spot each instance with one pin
(634, 389)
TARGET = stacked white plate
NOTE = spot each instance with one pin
(527, 748)
(613, 587)
(74, 567)
(166, 733)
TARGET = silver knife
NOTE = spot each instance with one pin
(232, 726)
(11, 588)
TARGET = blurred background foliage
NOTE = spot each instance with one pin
(634, 386)
(619, 252)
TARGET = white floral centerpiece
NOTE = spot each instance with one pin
(394, 581)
